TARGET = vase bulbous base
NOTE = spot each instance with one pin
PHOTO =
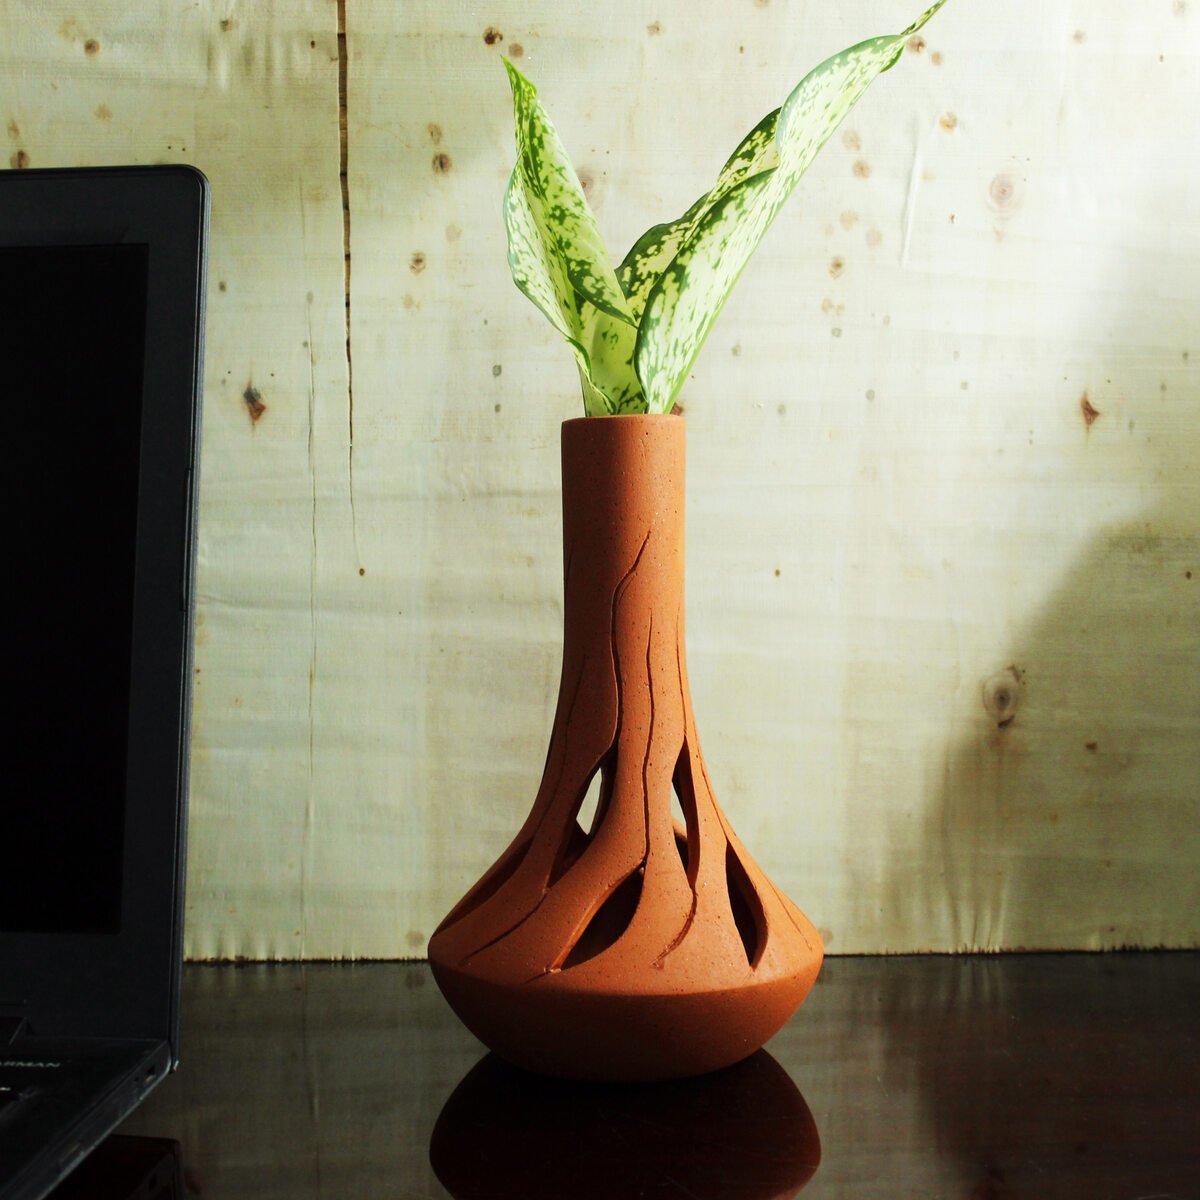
(623, 1037)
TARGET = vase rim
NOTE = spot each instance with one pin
(625, 417)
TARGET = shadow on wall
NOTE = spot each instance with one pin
(1069, 817)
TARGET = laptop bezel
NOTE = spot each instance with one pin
(126, 984)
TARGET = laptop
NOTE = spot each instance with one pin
(101, 317)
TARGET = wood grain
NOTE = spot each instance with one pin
(942, 437)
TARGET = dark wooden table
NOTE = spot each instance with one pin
(1028, 1075)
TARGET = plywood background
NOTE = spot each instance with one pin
(943, 450)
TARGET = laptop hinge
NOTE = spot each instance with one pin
(10, 1028)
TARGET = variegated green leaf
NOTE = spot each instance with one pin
(657, 247)
(554, 192)
(557, 258)
(542, 276)
(717, 236)
(611, 345)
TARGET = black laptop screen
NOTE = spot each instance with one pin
(72, 323)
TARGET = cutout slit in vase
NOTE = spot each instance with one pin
(642, 947)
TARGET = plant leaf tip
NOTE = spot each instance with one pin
(515, 78)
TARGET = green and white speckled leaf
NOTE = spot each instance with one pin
(558, 259)
(539, 274)
(542, 276)
(654, 251)
(681, 294)
(611, 345)
(554, 193)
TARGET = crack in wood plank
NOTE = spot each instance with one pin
(344, 177)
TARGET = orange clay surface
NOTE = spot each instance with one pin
(643, 947)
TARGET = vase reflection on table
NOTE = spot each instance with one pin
(744, 1133)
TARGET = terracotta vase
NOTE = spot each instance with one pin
(643, 947)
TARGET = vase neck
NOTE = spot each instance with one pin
(623, 510)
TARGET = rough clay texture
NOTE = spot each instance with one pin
(642, 947)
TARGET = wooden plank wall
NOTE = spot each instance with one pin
(944, 522)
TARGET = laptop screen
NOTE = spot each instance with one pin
(101, 321)
(73, 344)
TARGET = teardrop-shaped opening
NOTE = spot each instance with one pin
(684, 808)
(590, 803)
(491, 882)
(748, 914)
(609, 922)
(681, 845)
(590, 808)
(599, 794)
(679, 829)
